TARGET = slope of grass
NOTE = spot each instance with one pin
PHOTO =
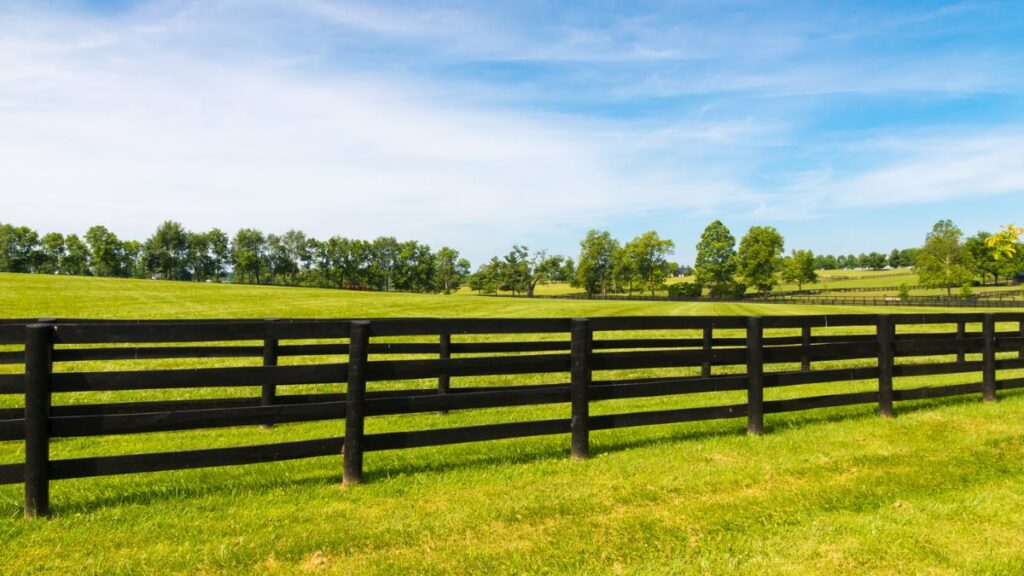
(934, 491)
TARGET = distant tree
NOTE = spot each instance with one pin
(248, 255)
(873, 260)
(76, 258)
(760, 257)
(944, 262)
(134, 259)
(106, 251)
(798, 268)
(595, 266)
(716, 262)
(649, 254)
(568, 272)
(895, 259)
(167, 251)
(984, 257)
(825, 262)
(543, 268)
(281, 268)
(908, 256)
(415, 268)
(297, 247)
(51, 252)
(623, 271)
(19, 247)
(383, 260)
(486, 279)
(219, 253)
(451, 270)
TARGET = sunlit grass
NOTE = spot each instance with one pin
(935, 490)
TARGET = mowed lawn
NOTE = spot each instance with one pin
(937, 490)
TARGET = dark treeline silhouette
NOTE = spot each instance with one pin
(252, 257)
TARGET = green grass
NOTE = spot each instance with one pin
(934, 491)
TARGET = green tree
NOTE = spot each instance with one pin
(18, 248)
(715, 267)
(649, 254)
(167, 251)
(944, 262)
(760, 257)
(984, 256)
(595, 266)
(51, 252)
(106, 251)
(451, 270)
(248, 255)
(76, 258)
(134, 259)
(873, 260)
(798, 268)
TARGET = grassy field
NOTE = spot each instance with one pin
(934, 491)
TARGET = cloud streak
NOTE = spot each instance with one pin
(369, 119)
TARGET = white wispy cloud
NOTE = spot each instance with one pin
(281, 115)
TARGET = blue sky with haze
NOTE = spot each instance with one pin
(849, 126)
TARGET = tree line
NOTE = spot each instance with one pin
(604, 265)
(250, 256)
(723, 268)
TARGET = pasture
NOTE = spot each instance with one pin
(935, 490)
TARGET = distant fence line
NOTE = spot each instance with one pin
(773, 351)
(1000, 300)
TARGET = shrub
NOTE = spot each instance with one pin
(966, 292)
(904, 292)
(731, 291)
(685, 290)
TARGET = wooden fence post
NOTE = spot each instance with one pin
(1020, 331)
(988, 379)
(444, 353)
(268, 393)
(708, 343)
(961, 333)
(755, 376)
(886, 359)
(805, 347)
(355, 397)
(580, 349)
(38, 370)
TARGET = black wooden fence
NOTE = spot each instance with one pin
(692, 355)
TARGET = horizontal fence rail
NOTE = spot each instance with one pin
(87, 378)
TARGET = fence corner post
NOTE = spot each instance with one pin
(355, 398)
(755, 376)
(886, 359)
(38, 396)
(988, 380)
(580, 351)
(268, 391)
(444, 353)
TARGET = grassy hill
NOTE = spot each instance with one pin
(934, 491)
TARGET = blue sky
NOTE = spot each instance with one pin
(849, 126)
